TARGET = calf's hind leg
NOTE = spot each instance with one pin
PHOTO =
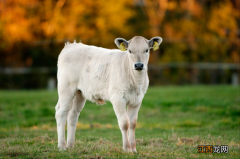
(64, 103)
(73, 114)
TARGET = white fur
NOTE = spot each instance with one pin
(98, 75)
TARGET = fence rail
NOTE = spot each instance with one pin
(159, 74)
(198, 65)
(230, 66)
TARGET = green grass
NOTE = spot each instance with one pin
(172, 122)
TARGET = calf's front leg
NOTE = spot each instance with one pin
(119, 106)
(132, 113)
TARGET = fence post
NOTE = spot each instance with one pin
(235, 79)
(51, 84)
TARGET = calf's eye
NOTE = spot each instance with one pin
(146, 50)
(130, 51)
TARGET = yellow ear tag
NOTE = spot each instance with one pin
(155, 46)
(122, 47)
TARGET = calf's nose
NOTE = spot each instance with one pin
(138, 66)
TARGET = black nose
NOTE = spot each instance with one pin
(138, 66)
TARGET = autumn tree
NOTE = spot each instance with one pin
(33, 31)
(195, 30)
(24, 23)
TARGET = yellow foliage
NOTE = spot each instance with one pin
(191, 6)
(222, 18)
(196, 30)
(235, 56)
(172, 5)
(34, 20)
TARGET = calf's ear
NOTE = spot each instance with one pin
(155, 42)
(121, 43)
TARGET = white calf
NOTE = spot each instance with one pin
(99, 75)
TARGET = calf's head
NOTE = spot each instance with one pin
(138, 49)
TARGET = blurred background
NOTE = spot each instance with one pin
(200, 49)
(201, 38)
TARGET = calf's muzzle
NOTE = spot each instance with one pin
(139, 66)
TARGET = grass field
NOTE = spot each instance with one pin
(172, 122)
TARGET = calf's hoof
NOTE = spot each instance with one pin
(70, 145)
(135, 151)
(127, 149)
(62, 146)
